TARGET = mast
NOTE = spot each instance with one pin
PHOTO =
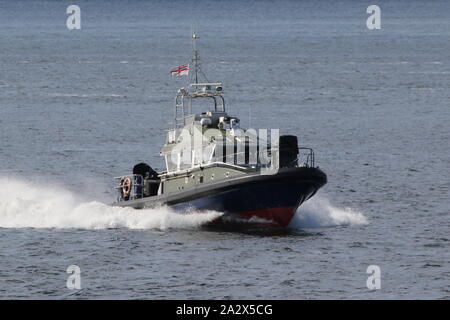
(196, 89)
(195, 57)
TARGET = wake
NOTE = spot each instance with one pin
(25, 204)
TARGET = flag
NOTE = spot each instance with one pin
(180, 71)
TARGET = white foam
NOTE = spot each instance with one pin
(25, 204)
(319, 212)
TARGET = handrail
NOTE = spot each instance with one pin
(310, 160)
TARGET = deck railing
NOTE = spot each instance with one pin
(137, 187)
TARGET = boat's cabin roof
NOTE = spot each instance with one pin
(187, 99)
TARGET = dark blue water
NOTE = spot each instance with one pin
(78, 107)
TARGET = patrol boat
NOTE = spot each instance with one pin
(214, 164)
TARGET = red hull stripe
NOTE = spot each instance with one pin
(281, 216)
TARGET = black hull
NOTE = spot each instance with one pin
(274, 198)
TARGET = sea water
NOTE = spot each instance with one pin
(78, 107)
